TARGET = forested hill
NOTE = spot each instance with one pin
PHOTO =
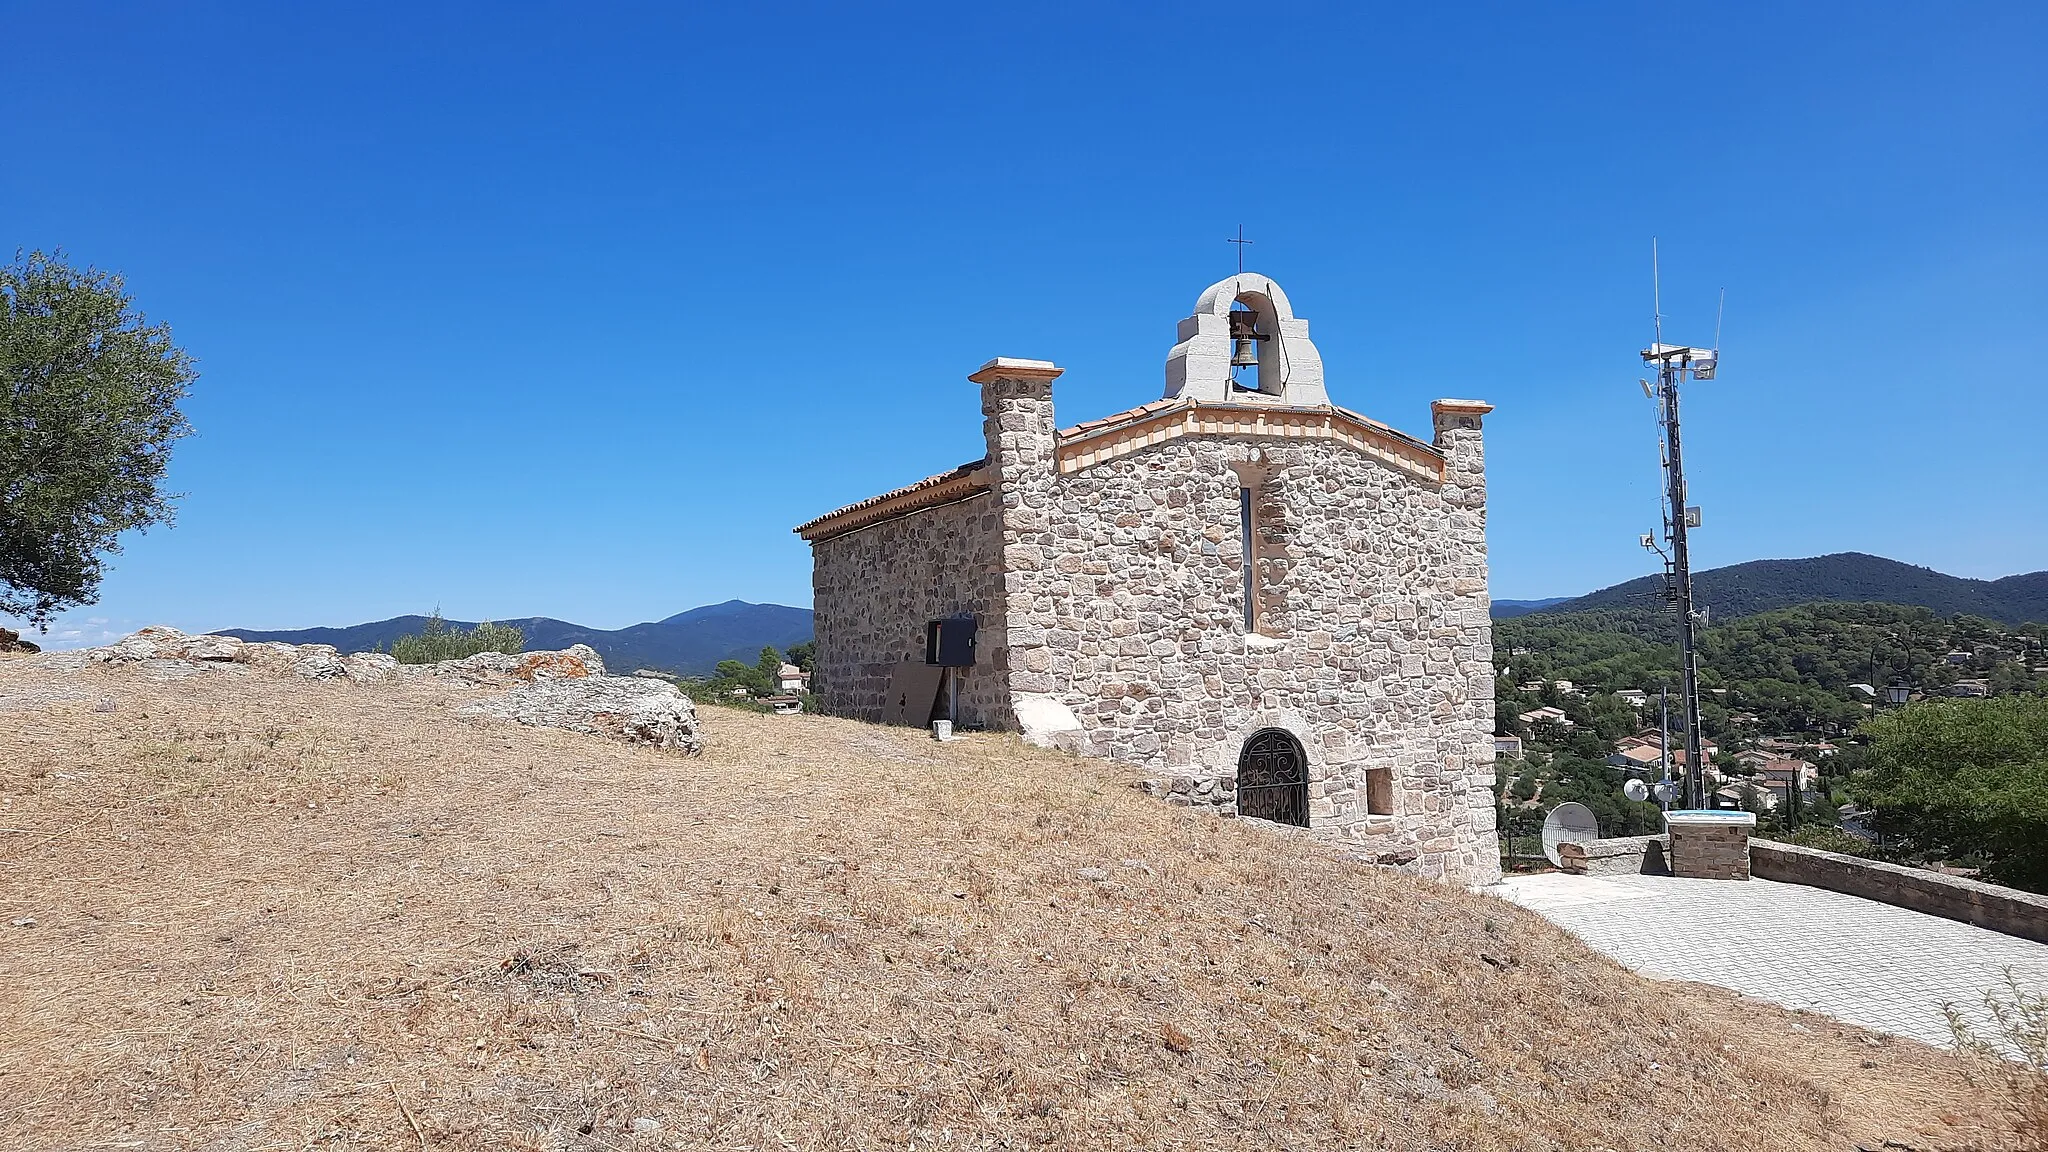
(1792, 668)
(1766, 585)
(691, 643)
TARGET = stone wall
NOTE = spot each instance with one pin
(1709, 851)
(1615, 856)
(2007, 910)
(1124, 589)
(874, 590)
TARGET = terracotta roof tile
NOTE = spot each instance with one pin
(1117, 419)
(821, 527)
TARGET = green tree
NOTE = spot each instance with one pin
(89, 394)
(1962, 778)
(730, 674)
(770, 668)
(802, 655)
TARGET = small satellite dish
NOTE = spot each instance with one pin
(1636, 790)
(1569, 823)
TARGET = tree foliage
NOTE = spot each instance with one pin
(89, 394)
(736, 683)
(1791, 668)
(1961, 779)
(436, 641)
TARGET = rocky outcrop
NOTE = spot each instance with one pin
(11, 641)
(620, 707)
(567, 689)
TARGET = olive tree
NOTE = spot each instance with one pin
(89, 393)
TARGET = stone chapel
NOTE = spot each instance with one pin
(1274, 605)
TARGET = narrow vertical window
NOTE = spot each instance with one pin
(1244, 521)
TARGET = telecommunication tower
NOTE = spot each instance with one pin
(1677, 364)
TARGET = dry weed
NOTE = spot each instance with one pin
(271, 913)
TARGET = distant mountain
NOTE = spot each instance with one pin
(1766, 585)
(690, 643)
(1505, 609)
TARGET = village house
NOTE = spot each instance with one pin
(1275, 606)
(1732, 797)
(1787, 773)
(1547, 715)
(1754, 759)
(792, 679)
(1646, 751)
(1637, 757)
(1785, 746)
(1507, 747)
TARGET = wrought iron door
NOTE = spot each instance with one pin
(1272, 779)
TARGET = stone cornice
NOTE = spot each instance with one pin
(1086, 445)
(1011, 368)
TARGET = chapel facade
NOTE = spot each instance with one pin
(1275, 606)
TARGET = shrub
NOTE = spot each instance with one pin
(1960, 778)
(1825, 838)
(2015, 1048)
(437, 641)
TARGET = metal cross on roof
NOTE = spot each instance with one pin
(1240, 242)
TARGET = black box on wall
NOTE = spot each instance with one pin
(950, 642)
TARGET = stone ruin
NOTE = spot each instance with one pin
(568, 689)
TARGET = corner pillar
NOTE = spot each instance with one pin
(1023, 464)
(1459, 436)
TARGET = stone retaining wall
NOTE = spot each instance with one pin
(1616, 856)
(2007, 910)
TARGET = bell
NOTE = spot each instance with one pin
(1244, 340)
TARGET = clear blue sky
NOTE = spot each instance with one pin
(575, 311)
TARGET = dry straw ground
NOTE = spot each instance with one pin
(278, 914)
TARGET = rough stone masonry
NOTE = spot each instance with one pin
(1275, 606)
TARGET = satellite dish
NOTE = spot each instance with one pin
(1636, 790)
(1569, 823)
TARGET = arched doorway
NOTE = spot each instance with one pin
(1272, 778)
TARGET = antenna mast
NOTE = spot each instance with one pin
(1675, 364)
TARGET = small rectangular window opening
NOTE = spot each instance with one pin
(1379, 791)
(1244, 519)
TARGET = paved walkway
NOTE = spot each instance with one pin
(1870, 964)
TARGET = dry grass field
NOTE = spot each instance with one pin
(269, 913)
